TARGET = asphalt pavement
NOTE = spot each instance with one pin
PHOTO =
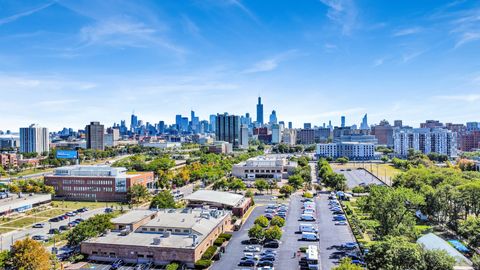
(8, 238)
(331, 235)
(234, 250)
(357, 177)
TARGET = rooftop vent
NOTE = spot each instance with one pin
(156, 241)
(166, 234)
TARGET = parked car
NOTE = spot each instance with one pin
(307, 217)
(64, 228)
(53, 231)
(117, 264)
(268, 216)
(38, 225)
(359, 262)
(337, 212)
(341, 223)
(268, 257)
(271, 211)
(282, 215)
(251, 249)
(264, 263)
(271, 244)
(268, 252)
(71, 214)
(350, 245)
(40, 237)
(309, 236)
(79, 220)
(55, 219)
(247, 262)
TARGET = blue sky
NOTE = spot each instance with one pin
(65, 63)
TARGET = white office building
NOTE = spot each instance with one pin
(425, 140)
(243, 136)
(269, 167)
(351, 150)
(34, 139)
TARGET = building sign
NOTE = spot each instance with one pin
(67, 154)
(120, 185)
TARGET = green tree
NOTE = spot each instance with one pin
(29, 254)
(172, 266)
(296, 181)
(261, 185)
(384, 159)
(237, 184)
(393, 208)
(221, 184)
(286, 190)
(256, 232)
(394, 253)
(4, 258)
(438, 260)
(470, 229)
(346, 264)
(138, 193)
(164, 199)
(2, 171)
(277, 221)
(91, 227)
(476, 262)
(261, 221)
(274, 232)
(342, 160)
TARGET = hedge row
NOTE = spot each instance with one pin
(208, 255)
(203, 264)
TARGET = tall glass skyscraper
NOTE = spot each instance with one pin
(260, 111)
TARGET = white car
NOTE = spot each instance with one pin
(251, 255)
(341, 223)
(251, 249)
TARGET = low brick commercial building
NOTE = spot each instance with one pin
(236, 203)
(96, 183)
(160, 237)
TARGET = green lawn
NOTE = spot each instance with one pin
(50, 213)
(5, 230)
(22, 222)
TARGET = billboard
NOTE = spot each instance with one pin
(67, 154)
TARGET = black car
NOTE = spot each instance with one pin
(53, 231)
(247, 263)
(337, 213)
(265, 263)
(251, 241)
(271, 244)
(270, 257)
(63, 228)
(55, 219)
(108, 210)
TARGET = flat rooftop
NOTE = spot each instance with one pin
(133, 216)
(219, 197)
(201, 222)
(14, 202)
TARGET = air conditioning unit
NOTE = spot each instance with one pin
(156, 241)
(167, 234)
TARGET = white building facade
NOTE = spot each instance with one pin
(425, 140)
(34, 139)
(351, 150)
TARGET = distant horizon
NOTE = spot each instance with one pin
(66, 63)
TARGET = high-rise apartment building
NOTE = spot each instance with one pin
(342, 120)
(273, 118)
(398, 123)
(364, 124)
(244, 136)
(228, 129)
(34, 139)
(425, 140)
(213, 120)
(384, 133)
(94, 136)
(276, 134)
(133, 122)
(306, 136)
(260, 111)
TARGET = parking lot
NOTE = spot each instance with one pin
(359, 177)
(106, 266)
(331, 236)
(234, 250)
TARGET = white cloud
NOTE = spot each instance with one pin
(463, 98)
(378, 62)
(270, 63)
(407, 31)
(23, 14)
(407, 57)
(241, 6)
(466, 38)
(342, 12)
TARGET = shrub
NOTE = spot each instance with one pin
(219, 241)
(227, 236)
(203, 264)
(172, 266)
(307, 195)
(358, 189)
(303, 249)
(208, 255)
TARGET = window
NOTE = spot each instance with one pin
(112, 253)
(152, 229)
(144, 229)
(186, 231)
(150, 256)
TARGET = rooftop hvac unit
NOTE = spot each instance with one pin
(156, 241)
(194, 238)
(167, 234)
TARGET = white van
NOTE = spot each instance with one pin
(309, 236)
(307, 217)
(309, 211)
(307, 228)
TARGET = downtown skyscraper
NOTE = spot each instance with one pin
(260, 111)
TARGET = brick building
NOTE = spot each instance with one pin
(96, 183)
(469, 141)
(160, 237)
(8, 160)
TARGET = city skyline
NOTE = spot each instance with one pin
(312, 62)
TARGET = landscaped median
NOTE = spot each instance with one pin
(212, 252)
